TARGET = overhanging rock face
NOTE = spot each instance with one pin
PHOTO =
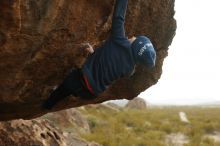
(40, 43)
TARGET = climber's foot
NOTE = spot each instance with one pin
(48, 104)
(53, 99)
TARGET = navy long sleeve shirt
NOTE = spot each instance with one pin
(115, 58)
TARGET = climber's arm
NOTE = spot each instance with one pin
(118, 19)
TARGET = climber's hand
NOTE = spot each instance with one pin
(89, 48)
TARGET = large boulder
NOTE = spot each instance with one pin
(38, 132)
(70, 119)
(40, 41)
(30, 133)
(114, 106)
(137, 103)
(103, 107)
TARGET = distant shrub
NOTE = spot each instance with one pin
(208, 141)
(92, 123)
(166, 128)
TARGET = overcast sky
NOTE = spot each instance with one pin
(191, 72)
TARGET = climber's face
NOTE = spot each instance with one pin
(132, 39)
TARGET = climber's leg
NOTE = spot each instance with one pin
(69, 87)
(84, 92)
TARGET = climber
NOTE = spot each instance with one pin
(116, 58)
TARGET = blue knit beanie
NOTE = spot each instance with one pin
(144, 51)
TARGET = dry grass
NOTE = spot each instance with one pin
(151, 127)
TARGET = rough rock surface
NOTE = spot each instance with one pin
(67, 119)
(40, 41)
(137, 103)
(37, 132)
(29, 133)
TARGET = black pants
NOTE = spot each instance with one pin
(74, 85)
